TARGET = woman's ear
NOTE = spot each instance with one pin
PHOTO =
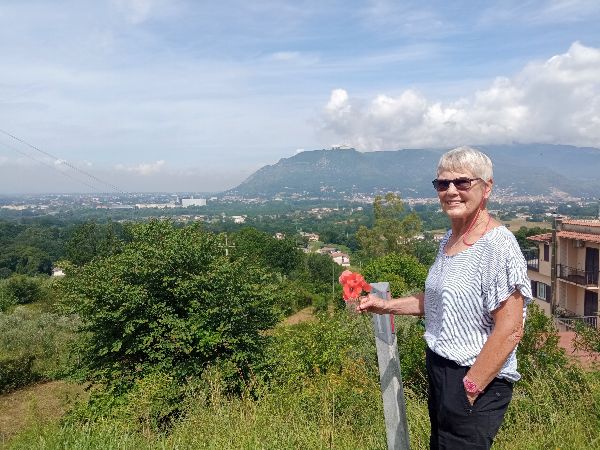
(488, 188)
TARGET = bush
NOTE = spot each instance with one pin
(587, 338)
(16, 371)
(403, 272)
(538, 351)
(169, 302)
(411, 349)
(292, 297)
(21, 289)
(34, 346)
(298, 352)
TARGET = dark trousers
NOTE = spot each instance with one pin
(455, 423)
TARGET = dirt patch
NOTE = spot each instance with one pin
(588, 360)
(42, 403)
(304, 315)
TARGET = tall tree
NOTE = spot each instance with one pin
(392, 231)
(91, 239)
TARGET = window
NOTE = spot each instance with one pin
(546, 252)
(541, 291)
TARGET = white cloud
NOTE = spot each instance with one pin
(143, 169)
(553, 101)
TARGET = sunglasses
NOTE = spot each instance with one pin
(461, 184)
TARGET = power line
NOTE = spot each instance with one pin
(53, 167)
(64, 162)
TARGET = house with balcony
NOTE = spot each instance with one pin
(566, 285)
(539, 270)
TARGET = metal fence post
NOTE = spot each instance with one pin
(390, 378)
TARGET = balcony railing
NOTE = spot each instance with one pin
(570, 323)
(532, 258)
(578, 276)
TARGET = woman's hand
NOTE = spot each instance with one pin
(374, 304)
(471, 398)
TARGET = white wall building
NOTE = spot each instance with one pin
(341, 258)
(185, 202)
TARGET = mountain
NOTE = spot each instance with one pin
(521, 169)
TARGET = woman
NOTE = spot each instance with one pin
(474, 306)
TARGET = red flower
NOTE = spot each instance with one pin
(353, 284)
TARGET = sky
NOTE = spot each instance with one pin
(177, 95)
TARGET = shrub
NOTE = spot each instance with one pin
(538, 351)
(403, 272)
(587, 338)
(169, 302)
(292, 296)
(34, 346)
(16, 371)
(21, 289)
(298, 352)
(411, 350)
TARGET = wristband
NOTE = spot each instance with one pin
(470, 386)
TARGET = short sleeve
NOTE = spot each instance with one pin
(507, 273)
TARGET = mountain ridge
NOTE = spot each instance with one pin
(520, 169)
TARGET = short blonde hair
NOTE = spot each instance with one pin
(467, 159)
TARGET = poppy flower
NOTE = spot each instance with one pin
(353, 284)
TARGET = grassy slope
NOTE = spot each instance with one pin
(36, 405)
(337, 409)
(309, 420)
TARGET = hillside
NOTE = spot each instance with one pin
(533, 169)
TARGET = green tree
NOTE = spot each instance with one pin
(425, 250)
(170, 302)
(523, 233)
(280, 255)
(404, 273)
(392, 231)
(90, 239)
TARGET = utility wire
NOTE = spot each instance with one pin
(52, 166)
(62, 161)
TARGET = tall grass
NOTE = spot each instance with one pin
(333, 402)
(342, 411)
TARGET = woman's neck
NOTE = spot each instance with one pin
(461, 226)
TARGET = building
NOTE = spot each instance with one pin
(327, 250)
(185, 202)
(539, 270)
(312, 237)
(566, 284)
(341, 258)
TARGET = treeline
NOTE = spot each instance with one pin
(32, 248)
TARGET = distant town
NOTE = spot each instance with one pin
(526, 207)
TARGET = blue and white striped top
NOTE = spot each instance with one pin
(462, 290)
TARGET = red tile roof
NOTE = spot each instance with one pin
(579, 236)
(584, 222)
(546, 237)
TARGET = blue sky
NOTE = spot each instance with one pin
(196, 95)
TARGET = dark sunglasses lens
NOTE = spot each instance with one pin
(462, 184)
(441, 185)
